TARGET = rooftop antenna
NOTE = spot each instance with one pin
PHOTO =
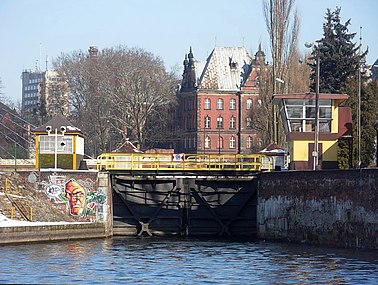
(46, 61)
(243, 41)
(215, 41)
(40, 56)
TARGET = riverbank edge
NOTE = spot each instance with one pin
(52, 232)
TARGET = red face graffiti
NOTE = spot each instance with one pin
(75, 194)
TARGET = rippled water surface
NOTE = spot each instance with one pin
(173, 261)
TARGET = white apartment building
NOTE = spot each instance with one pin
(44, 95)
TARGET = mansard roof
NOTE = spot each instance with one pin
(225, 69)
(374, 70)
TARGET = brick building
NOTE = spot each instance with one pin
(216, 101)
(15, 137)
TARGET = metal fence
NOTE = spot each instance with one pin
(183, 162)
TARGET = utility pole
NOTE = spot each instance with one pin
(359, 106)
(316, 145)
(315, 153)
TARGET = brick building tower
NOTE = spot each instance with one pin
(216, 101)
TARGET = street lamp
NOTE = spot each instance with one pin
(376, 143)
(282, 82)
(219, 141)
(361, 62)
(62, 131)
(315, 153)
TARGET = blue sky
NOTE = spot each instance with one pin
(32, 29)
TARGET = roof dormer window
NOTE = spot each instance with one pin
(233, 64)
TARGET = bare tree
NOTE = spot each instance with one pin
(7, 100)
(140, 91)
(88, 107)
(262, 111)
(282, 23)
(116, 92)
(298, 75)
(283, 27)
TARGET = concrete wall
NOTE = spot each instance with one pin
(53, 232)
(338, 208)
(107, 219)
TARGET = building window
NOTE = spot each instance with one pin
(233, 65)
(220, 104)
(219, 122)
(232, 142)
(300, 115)
(249, 103)
(207, 122)
(220, 142)
(207, 104)
(249, 142)
(232, 122)
(207, 142)
(47, 144)
(232, 104)
(249, 122)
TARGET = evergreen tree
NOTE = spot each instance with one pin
(339, 57)
(340, 61)
(369, 114)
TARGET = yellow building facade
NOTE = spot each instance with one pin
(298, 113)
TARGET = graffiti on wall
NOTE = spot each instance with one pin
(76, 196)
(81, 197)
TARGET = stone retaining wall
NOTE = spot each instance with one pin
(337, 208)
(95, 224)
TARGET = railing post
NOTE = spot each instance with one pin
(6, 185)
(15, 157)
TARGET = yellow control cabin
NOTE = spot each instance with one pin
(298, 113)
(59, 145)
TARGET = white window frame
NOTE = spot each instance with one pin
(207, 104)
(219, 104)
(300, 115)
(232, 104)
(232, 142)
(232, 122)
(249, 104)
(207, 122)
(249, 142)
(47, 144)
(220, 122)
(207, 142)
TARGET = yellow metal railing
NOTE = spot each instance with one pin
(19, 202)
(182, 162)
(6, 210)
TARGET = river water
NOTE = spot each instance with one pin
(181, 261)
